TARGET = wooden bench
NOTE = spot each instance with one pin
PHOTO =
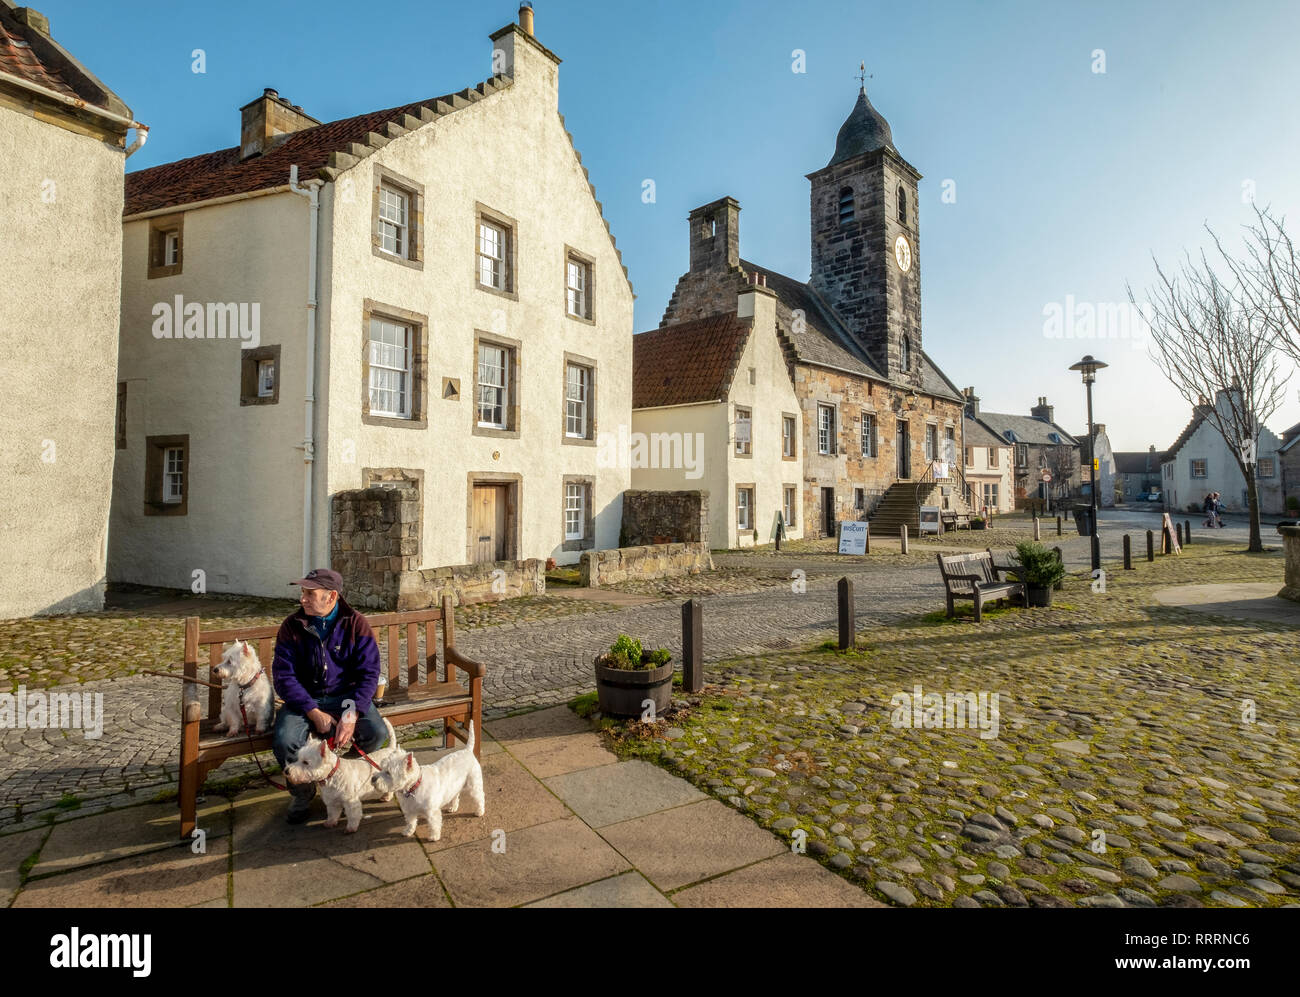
(416, 701)
(976, 577)
(955, 520)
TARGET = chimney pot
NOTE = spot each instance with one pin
(269, 92)
(526, 18)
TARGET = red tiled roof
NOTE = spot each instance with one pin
(221, 173)
(18, 58)
(688, 362)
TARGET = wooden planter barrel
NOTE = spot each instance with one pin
(1039, 595)
(621, 691)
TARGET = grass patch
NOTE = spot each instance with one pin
(860, 650)
(963, 613)
(69, 801)
(28, 864)
(585, 705)
(564, 576)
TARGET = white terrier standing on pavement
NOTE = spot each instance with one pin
(423, 790)
(344, 782)
(245, 683)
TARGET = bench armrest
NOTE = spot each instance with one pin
(473, 669)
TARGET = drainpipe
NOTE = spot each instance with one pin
(141, 131)
(312, 192)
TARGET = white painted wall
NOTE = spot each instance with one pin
(1222, 473)
(710, 422)
(979, 470)
(509, 152)
(243, 527)
(60, 261)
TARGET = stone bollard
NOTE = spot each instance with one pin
(844, 595)
(1037, 530)
(902, 533)
(1128, 553)
(692, 646)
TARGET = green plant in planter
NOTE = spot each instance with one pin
(657, 657)
(626, 653)
(1039, 564)
(977, 522)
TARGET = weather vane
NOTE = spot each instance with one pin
(863, 75)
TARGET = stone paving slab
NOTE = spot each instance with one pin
(14, 850)
(130, 831)
(608, 795)
(1242, 601)
(538, 862)
(175, 878)
(782, 881)
(631, 889)
(686, 844)
(417, 892)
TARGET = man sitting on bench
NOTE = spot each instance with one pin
(324, 654)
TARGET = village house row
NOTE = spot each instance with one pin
(428, 299)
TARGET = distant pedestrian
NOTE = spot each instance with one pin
(1218, 511)
(1208, 508)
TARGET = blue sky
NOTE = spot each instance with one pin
(1066, 179)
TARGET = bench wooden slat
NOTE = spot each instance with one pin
(393, 639)
(412, 653)
(214, 695)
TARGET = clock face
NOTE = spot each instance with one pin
(903, 253)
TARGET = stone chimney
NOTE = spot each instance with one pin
(757, 302)
(972, 402)
(517, 53)
(1042, 410)
(1098, 428)
(715, 236)
(267, 121)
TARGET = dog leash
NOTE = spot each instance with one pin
(183, 678)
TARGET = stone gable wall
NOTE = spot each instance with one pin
(665, 518)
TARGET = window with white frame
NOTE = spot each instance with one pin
(578, 287)
(492, 255)
(825, 429)
(859, 500)
(868, 435)
(788, 431)
(744, 508)
(1199, 468)
(991, 494)
(1265, 468)
(787, 505)
(744, 422)
(390, 369)
(577, 401)
(1022, 455)
(993, 456)
(575, 511)
(171, 248)
(265, 378)
(493, 385)
(931, 441)
(174, 475)
(393, 225)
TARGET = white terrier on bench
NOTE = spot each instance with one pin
(344, 782)
(423, 790)
(244, 682)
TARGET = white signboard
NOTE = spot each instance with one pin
(940, 470)
(853, 537)
(929, 522)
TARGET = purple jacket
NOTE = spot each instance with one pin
(347, 665)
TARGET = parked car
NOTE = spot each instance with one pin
(1150, 497)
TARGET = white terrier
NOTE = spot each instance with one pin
(246, 685)
(344, 782)
(423, 790)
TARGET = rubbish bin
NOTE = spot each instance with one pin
(1083, 520)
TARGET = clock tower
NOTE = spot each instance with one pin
(865, 248)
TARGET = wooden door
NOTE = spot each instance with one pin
(489, 523)
(903, 444)
(828, 511)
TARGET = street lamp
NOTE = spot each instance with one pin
(1088, 367)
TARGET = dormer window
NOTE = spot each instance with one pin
(902, 204)
(1010, 435)
(846, 206)
(905, 356)
(1054, 437)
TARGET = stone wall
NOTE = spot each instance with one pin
(665, 518)
(607, 567)
(374, 540)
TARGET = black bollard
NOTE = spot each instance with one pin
(1128, 553)
(1187, 532)
(1058, 526)
(692, 646)
(1151, 546)
(1179, 528)
(847, 629)
(1060, 557)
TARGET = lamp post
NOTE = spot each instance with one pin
(1088, 367)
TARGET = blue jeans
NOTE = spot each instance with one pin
(292, 730)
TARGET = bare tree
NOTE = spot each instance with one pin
(1062, 460)
(1218, 347)
(1270, 277)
